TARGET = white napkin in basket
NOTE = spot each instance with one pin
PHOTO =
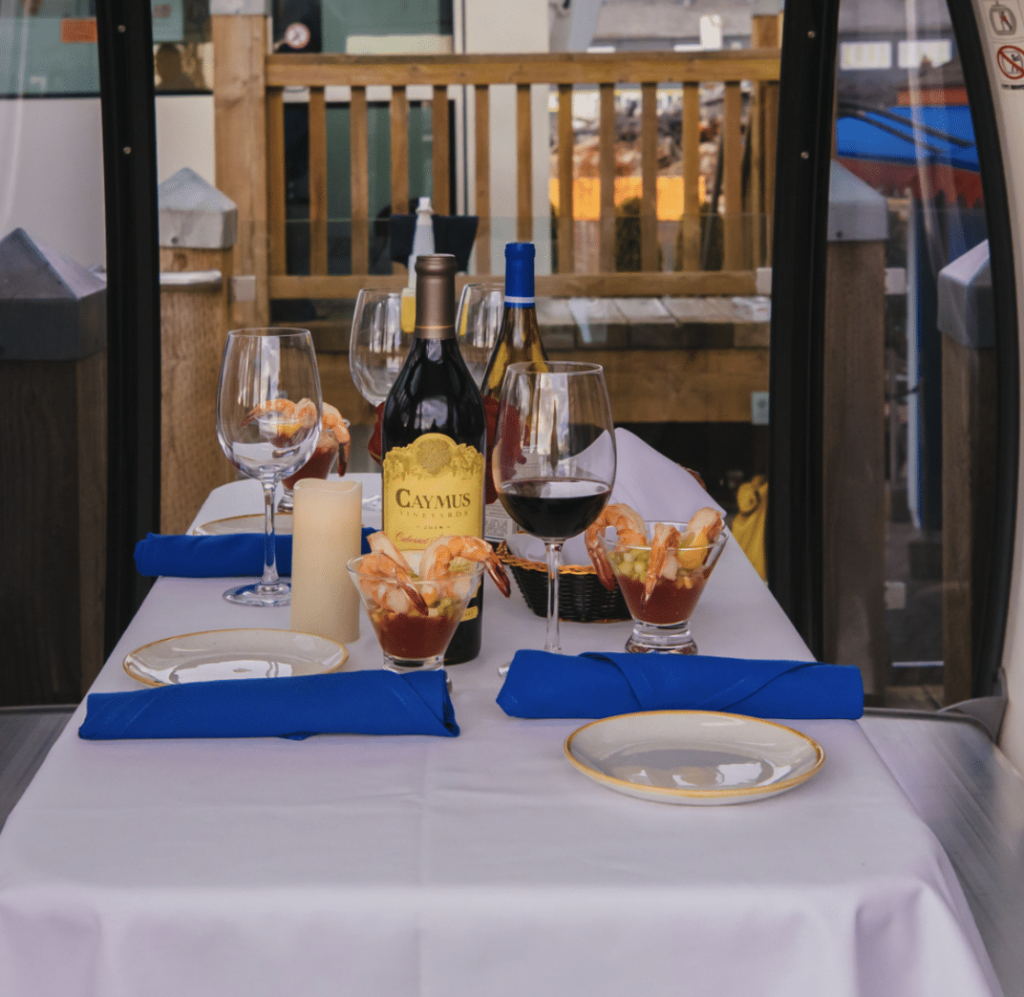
(658, 488)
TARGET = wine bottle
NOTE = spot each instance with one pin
(518, 340)
(433, 439)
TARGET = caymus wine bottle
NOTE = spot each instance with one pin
(433, 440)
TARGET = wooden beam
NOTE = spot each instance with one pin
(566, 141)
(522, 69)
(853, 461)
(482, 188)
(732, 176)
(439, 151)
(399, 113)
(240, 147)
(276, 184)
(524, 165)
(317, 181)
(708, 283)
(771, 135)
(359, 148)
(606, 174)
(649, 177)
(691, 176)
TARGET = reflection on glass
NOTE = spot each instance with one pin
(904, 133)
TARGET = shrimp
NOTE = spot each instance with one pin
(666, 540)
(703, 529)
(383, 580)
(438, 557)
(292, 416)
(380, 543)
(629, 528)
(334, 424)
(707, 519)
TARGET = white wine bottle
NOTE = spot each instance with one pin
(434, 438)
(518, 340)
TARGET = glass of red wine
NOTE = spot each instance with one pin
(554, 457)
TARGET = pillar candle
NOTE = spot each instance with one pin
(326, 524)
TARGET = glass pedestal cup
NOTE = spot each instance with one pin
(661, 620)
(414, 618)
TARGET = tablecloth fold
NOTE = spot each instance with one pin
(366, 702)
(540, 685)
(224, 556)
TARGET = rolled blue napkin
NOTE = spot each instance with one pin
(371, 702)
(540, 685)
(214, 557)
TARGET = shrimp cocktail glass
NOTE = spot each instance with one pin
(554, 457)
(332, 451)
(661, 569)
(414, 618)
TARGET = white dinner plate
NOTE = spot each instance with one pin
(694, 757)
(243, 524)
(234, 654)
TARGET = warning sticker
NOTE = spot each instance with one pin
(1010, 60)
(1004, 19)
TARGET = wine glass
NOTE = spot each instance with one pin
(269, 414)
(377, 348)
(554, 457)
(478, 323)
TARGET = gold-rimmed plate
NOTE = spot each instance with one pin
(234, 654)
(243, 524)
(693, 757)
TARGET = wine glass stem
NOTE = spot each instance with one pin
(270, 576)
(553, 641)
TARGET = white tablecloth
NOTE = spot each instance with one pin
(480, 866)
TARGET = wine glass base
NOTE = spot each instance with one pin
(258, 594)
(647, 639)
(373, 502)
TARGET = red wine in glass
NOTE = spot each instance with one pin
(554, 457)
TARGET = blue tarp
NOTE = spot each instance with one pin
(871, 137)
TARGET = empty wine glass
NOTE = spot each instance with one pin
(269, 413)
(478, 323)
(554, 457)
(377, 349)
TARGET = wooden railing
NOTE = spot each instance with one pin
(742, 249)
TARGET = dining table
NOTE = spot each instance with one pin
(482, 865)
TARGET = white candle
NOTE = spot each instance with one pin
(326, 525)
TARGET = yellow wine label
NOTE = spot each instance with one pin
(432, 488)
(471, 613)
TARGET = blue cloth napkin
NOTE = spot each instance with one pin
(370, 702)
(215, 557)
(540, 685)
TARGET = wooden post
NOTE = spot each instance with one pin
(649, 177)
(197, 235)
(853, 541)
(240, 139)
(566, 141)
(968, 461)
(765, 32)
(606, 170)
(691, 177)
(524, 165)
(53, 407)
(482, 189)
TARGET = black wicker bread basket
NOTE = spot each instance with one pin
(581, 596)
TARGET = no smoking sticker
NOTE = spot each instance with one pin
(1010, 60)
